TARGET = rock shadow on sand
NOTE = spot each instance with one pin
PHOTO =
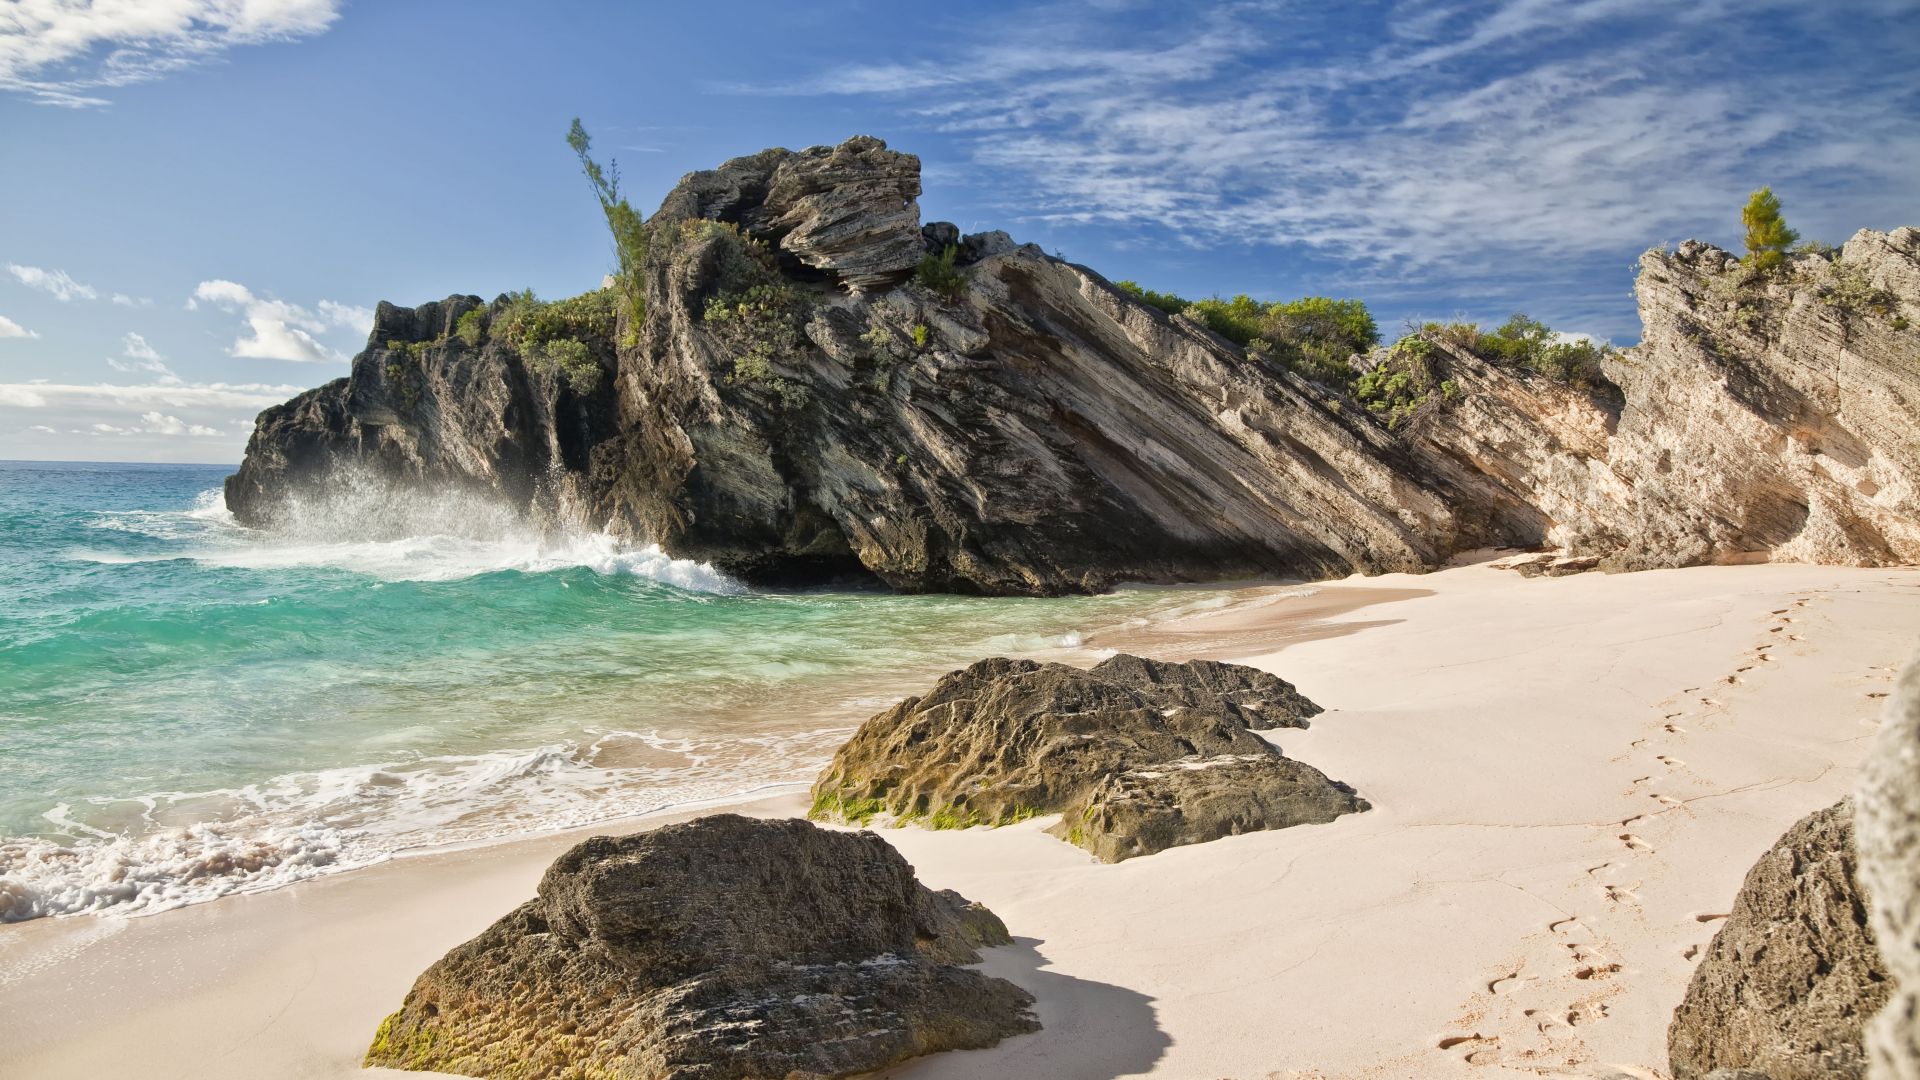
(1089, 1030)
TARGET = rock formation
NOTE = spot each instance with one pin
(799, 405)
(721, 949)
(1786, 984)
(1136, 755)
(1887, 834)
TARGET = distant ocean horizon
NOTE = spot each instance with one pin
(194, 708)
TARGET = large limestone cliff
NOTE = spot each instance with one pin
(797, 405)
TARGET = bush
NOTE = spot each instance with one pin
(1401, 383)
(1167, 302)
(1531, 345)
(1768, 237)
(938, 275)
(629, 229)
(472, 327)
(571, 359)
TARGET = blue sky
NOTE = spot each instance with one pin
(202, 200)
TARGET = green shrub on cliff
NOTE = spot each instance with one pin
(630, 236)
(938, 275)
(472, 327)
(1532, 345)
(1167, 302)
(1401, 383)
(1768, 238)
(571, 359)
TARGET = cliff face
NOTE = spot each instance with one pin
(798, 405)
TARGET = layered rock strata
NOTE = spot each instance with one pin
(799, 406)
(725, 948)
(1135, 755)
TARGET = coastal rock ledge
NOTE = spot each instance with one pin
(784, 390)
(725, 948)
(1136, 755)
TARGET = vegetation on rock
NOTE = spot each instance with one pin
(630, 236)
(1768, 238)
(938, 275)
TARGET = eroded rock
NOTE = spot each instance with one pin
(1887, 834)
(1136, 755)
(1787, 983)
(796, 408)
(724, 948)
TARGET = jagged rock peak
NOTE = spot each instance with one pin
(849, 211)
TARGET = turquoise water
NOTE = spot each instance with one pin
(192, 708)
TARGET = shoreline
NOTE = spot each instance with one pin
(1491, 720)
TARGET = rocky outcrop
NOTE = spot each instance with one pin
(424, 412)
(721, 949)
(1135, 755)
(1786, 984)
(798, 405)
(1887, 834)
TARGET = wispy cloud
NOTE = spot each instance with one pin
(278, 330)
(11, 329)
(68, 52)
(57, 282)
(1478, 142)
(141, 356)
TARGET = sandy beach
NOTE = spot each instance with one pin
(1569, 778)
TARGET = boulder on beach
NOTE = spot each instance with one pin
(720, 949)
(1136, 755)
(1787, 983)
(1887, 825)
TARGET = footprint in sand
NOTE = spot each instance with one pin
(1671, 762)
(1675, 729)
(1634, 843)
(1636, 744)
(1594, 871)
(1587, 1014)
(1711, 916)
(1544, 1021)
(1617, 894)
(1481, 1049)
(1572, 922)
(1711, 703)
(1591, 972)
(1667, 801)
(1507, 983)
(1689, 952)
(1876, 695)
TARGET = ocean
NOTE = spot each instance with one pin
(190, 708)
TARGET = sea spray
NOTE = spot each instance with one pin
(195, 709)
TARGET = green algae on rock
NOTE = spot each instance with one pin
(1136, 755)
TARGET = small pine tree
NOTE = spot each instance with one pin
(1768, 237)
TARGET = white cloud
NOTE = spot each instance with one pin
(64, 52)
(347, 316)
(21, 397)
(1511, 141)
(127, 301)
(135, 347)
(145, 396)
(9, 328)
(277, 330)
(142, 356)
(43, 429)
(57, 282)
(158, 423)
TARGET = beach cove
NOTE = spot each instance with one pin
(1569, 777)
